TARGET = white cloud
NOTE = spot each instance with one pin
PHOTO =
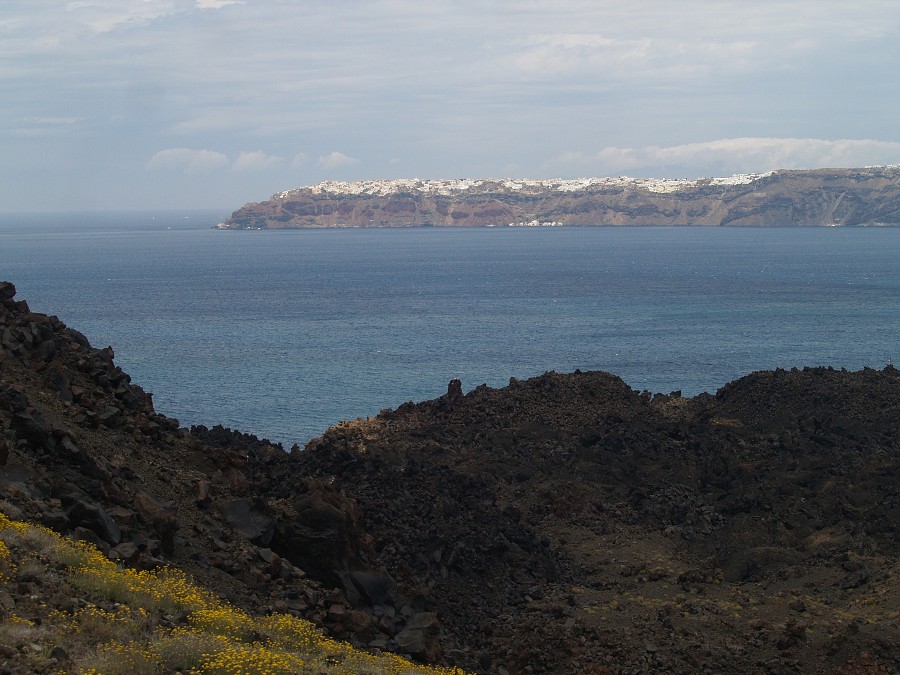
(191, 161)
(103, 16)
(336, 160)
(51, 121)
(42, 126)
(733, 155)
(453, 88)
(256, 161)
(217, 4)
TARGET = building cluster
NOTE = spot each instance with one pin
(448, 187)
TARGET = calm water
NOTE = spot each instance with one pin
(283, 333)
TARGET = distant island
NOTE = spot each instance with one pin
(867, 196)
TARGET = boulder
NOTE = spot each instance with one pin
(153, 511)
(7, 290)
(322, 535)
(419, 638)
(377, 588)
(160, 515)
(32, 427)
(200, 493)
(110, 416)
(90, 516)
(454, 391)
(249, 522)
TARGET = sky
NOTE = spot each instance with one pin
(194, 104)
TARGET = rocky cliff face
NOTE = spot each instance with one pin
(825, 197)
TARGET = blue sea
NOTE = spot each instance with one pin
(284, 333)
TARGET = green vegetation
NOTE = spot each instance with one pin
(127, 628)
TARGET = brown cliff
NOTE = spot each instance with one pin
(823, 197)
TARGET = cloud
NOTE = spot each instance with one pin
(191, 161)
(256, 161)
(103, 16)
(200, 161)
(217, 4)
(41, 126)
(336, 160)
(453, 88)
(731, 155)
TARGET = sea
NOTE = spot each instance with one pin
(284, 333)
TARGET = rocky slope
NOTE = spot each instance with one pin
(569, 524)
(824, 197)
(563, 524)
(83, 452)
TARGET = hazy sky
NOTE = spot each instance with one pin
(108, 104)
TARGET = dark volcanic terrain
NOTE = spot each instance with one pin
(563, 524)
(822, 197)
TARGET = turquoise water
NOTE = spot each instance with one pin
(283, 333)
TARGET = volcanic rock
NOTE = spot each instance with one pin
(562, 524)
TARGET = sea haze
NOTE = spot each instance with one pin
(283, 333)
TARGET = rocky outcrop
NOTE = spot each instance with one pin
(83, 451)
(567, 523)
(561, 524)
(823, 197)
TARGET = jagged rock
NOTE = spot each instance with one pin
(235, 481)
(32, 427)
(126, 551)
(79, 338)
(321, 534)
(13, 398)
(91, 536)
(152, 510)
(200, 493)
(335, 613)
(20, 478)
(94, 518)
(7, 290)
(376, 588)
(249, 522)
(68, 446)
(420, 637)
(46, 350)
(56, 520)
(160, 515)
(454, 390)
(110, 416)
(359, 623)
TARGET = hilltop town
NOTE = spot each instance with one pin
(868, 196)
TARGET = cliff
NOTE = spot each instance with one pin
(561, 524)
(822, 197)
